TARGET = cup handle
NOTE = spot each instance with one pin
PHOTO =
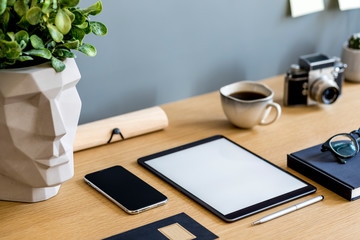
(268, 110)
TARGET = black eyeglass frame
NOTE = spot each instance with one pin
(354, 136)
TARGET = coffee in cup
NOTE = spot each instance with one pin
(248, 103)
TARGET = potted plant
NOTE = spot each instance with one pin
(351, 57)
(39, 103)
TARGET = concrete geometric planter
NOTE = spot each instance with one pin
(39, 113)
(351, 57)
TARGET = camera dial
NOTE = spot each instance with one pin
(324, 90)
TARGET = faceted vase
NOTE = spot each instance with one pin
(39, 113)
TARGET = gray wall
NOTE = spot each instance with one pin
(159, 51)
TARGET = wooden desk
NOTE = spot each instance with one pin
(79, 212)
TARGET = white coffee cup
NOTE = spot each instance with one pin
(251, 106)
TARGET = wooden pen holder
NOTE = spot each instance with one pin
(130, 125)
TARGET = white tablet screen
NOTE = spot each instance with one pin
(225, 176)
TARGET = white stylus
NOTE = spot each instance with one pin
(289, 209)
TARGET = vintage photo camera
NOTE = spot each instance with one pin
(316, 79)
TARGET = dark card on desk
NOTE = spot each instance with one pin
(177, 227)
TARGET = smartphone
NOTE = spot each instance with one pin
(125, 189)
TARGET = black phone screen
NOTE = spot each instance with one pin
(125, 189)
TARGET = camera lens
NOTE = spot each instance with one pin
(324, 90)
(330, 95)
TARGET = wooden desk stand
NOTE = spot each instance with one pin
(129, 125)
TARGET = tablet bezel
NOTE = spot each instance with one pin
(241, 213)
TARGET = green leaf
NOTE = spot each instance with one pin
(33, 3)
(10, 2)
(9, 49)
(44, 53)
(87, 49)
(87, 30)
(71, 44)
(21, 7)
(55, 4)
(24, 58)
(56, 35)
(69, 3)
(79, 18)
(22, 44)
(4, 20)
(36, 42)
(51, 17)
(10, 61)
(58, 65)
(62, 22)
(68, 54)
(93, 9)
(46, 7)
(22, 36)
(51, 44)
(49, 29)
(70, 14)
(11, 35)
(83, 25)
(98, 28)
(58, 53)
(33, 16)
(3, 4)
(63, 52)
(78, 33)
(23, 23)
(2, 35)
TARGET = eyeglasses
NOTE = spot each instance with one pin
(343, 145)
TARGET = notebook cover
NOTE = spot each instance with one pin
(324, 168)
(179, 226)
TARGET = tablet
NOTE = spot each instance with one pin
(225, 178)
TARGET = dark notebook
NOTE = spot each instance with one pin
(322, 167)
(180, 226)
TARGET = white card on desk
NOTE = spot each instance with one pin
(303, 7)
(348, 4)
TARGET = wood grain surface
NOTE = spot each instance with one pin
(79, 212)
